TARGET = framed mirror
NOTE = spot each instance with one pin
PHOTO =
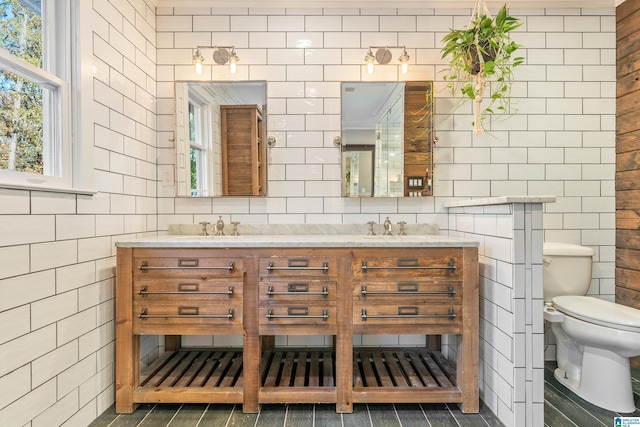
(386, 139)
(221, 139)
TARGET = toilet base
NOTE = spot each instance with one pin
(605, 380)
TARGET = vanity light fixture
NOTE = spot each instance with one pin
(369, 59)
(404, 61)
(383, 56)
(198, 59)
(222, 55)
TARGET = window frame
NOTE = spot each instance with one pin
(68, 56)
(201, 145)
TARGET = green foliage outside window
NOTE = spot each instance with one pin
(21, 114)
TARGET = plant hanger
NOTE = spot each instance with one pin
(480, 56)
(480, 81)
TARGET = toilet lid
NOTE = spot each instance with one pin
(600, 312)
(565, 249)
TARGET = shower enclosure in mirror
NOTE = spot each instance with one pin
(220, 139)
(387, 134)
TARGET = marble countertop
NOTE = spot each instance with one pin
(296, 241)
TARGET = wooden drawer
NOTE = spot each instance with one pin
(294, 291)
(276, 267)
(190, 316)
(398, 291)
(417, 312)
(436, 263)
(276, 314)
(183, 290)
(190, 265)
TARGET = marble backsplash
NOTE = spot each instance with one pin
(304, 229)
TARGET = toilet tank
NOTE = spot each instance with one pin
(567, 269)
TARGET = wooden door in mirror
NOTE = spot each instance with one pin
(418, 139)
(243, 151)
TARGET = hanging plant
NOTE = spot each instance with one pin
(481, 58)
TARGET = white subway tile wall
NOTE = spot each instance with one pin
(511, 300)
(57, 258)
(58, 248)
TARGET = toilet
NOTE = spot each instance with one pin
(594, 338)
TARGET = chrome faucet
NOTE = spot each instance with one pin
(204, 228)
(235, 228)
(219, 227)
(402, 224)
(371, 232)
(388, 227)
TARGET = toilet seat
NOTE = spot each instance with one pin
(599, 312)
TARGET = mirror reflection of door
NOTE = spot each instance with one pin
(393, 122)
(199, 152)
(358, 164)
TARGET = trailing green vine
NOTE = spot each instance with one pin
(481, 57)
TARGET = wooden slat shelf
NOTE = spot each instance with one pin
(298, 368)
(373, 368)
(403, 375)
(393, 367)
(192, 371)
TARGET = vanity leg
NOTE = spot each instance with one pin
(434, 342)
(468, 356)
(172, 342)
(343, 341)
(252, 353)
(127, 344)
(268, 342)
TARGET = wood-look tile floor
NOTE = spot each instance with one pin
(302, 415)
(561, 409)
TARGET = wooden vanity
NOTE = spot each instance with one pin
(263, 286)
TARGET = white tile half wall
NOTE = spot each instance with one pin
(511, 301)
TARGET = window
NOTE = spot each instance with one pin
(199, 135)
(36, 76)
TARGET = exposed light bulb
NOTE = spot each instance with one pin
(198, 59)
(404, 61)
(369, 58)
(233, 62)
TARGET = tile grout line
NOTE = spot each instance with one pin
(202, 416)
(395, 411)
(148, 413)
(230, 415)
(175, 415)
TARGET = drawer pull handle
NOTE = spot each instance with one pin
(188, 262)
(324, 292)
(143, 315)
(404, 265)
(144, 266)
(404, 291)
(404, 312)
(271, 268)
(192, 311)
(144, 292)
(188, 287)
(297, 313)
(408, 311)
(298, 262)
(298, 287)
